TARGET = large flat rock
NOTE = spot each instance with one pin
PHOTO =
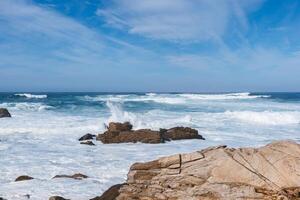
(268, 172)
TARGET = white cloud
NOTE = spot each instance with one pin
(178, 20)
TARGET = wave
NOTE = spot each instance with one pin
(32, 96)
(265, 117)
(26, 106)
(228, 96)
(171, 98)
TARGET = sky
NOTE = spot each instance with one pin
(150, 45)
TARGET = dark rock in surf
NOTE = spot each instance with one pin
(123, 133)
(4, 113)
(77, 176)
(88, 143)
(24, 178)
(57, 198)
(87, 136)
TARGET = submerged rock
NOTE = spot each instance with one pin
(87, 136)
(57, 198)
(217, 173)
(87, 143)
(122, 133)
(77, 176)
(4, 113)
(23, 178)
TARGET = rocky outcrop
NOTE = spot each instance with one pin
(23, 178)
(77, 176)
(123, 133)
(4, 113)
(218, 173)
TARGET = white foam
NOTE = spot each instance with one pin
(25, 106)
(266, 117)
(228, 96)
(32, 96)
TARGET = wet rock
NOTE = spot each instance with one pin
(24, 178)
(87, 143)
(4, 113)
(57, 198)
(271, 172)
(87, 136)
(77, 176)
(122, 133)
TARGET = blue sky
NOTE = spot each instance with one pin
(150, 45)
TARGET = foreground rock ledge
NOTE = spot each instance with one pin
(123, 133)
(269, 172)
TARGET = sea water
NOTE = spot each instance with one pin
(41, 138)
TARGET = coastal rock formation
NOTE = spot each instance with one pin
(123, 133)
(4, 113)
(23, 178)
(217, 173)
(77, 176)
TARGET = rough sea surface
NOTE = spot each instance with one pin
(41, 138)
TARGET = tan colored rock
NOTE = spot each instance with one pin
(271, 172)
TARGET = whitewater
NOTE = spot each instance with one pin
(41, 138)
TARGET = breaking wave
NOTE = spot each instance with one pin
(265, 117)
(32, 96)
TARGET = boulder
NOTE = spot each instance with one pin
(4, 113)
(87, 136)
(122, 133)
(218, 173)
(23, 178)
(88, 143)
(57, 198)
(77, 176)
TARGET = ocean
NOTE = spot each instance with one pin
(41, 138)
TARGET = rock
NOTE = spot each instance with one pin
(4, 113)
(87, 136)
(142, 135)
(1, 198)
(87, 143)
(110, 194)
(23, 178)
(57, 198)
(122, 133)
(77, 176)
(180, 133)
(218, 173)
(115, 126)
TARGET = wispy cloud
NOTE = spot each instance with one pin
(178, 20)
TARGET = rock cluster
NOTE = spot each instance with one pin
(123, 133)
(4, 113)
(217, 173)
(77, 176)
